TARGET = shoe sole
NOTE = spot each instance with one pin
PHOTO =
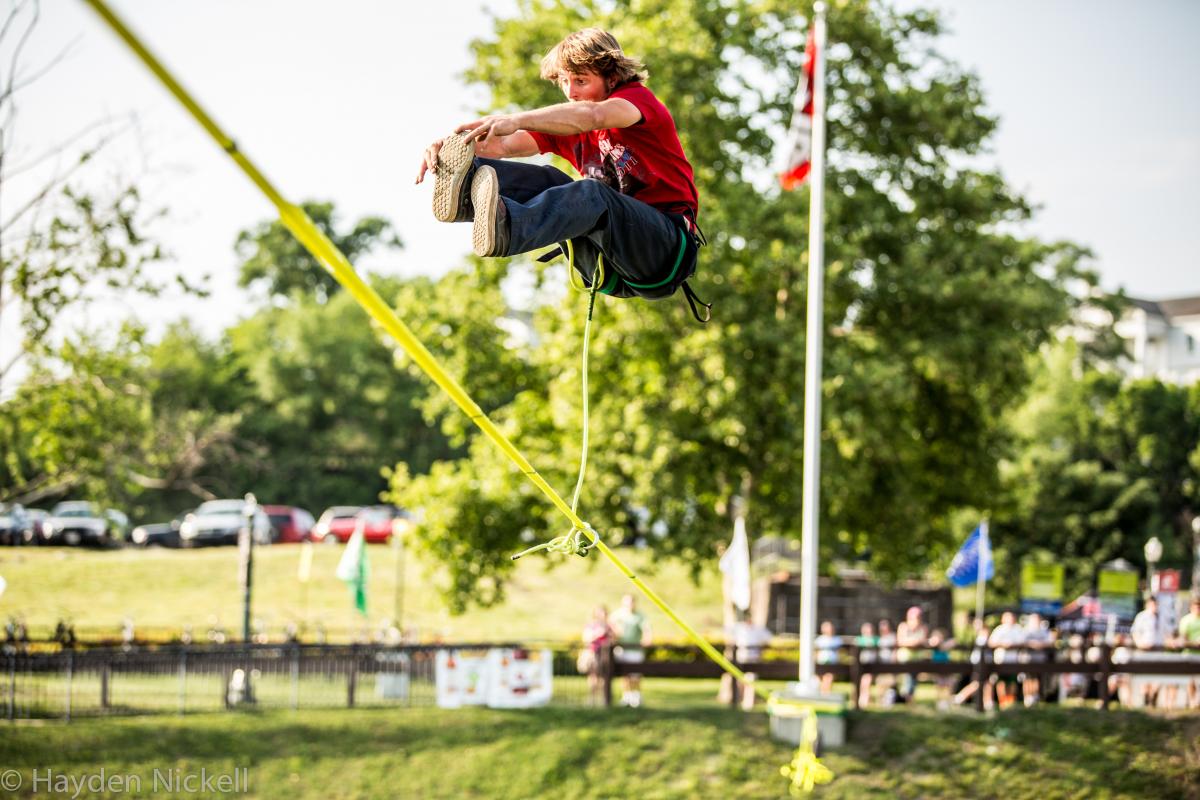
(454, 162)
(485, 196)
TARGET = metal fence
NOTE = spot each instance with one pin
(187, 679)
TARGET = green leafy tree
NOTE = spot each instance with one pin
(1102, 465)
(934, 300)
(272, 257)
(78, 424)
(327, 408)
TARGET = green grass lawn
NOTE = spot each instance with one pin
(163, 590)
(680, 746)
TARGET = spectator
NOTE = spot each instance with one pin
(1074, 684)
(867, 643)
(887, 655)
(1005, 640)
(1038, 641)
(827, 644)
(748, 642)
(1147, 636)
(912, 634)
(632, 635)
(1119, 682)
(941, 647)
(597, 635)
(1189, 636)
(979, 654)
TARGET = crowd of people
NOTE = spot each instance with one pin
(1029, 640)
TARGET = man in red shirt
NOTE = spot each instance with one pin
(635, 209)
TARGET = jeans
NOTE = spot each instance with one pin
(645, 253)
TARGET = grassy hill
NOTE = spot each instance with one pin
(163, 590)
(683, 749)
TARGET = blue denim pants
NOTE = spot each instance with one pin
(646, 252)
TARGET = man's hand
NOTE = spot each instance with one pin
(486, 129)
(429, 162)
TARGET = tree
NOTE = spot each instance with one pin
(1102, 465)
(79, 423)
(272, 256)
(62, 244)
(934, 299)
(325, 407)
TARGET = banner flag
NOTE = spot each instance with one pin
(964, 569)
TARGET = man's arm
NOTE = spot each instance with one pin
(563, 119)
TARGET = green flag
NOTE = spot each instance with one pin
(353, 568)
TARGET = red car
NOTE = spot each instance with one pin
(338, 523)
(289, 524)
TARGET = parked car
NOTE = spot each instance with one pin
(378, 522)
(219, 521)
(289, 524)
(334, 516)
(76, 522)
(159, 534)
(15, 524)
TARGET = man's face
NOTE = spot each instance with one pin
(583, 86)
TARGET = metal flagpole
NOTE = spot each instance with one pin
(812, 366)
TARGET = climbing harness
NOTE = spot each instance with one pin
(578, 540)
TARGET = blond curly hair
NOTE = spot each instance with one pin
(592, 50)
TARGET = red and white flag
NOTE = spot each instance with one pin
(799, 138)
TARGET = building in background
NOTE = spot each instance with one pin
(1164, 339)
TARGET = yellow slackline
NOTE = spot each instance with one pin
(332, 259)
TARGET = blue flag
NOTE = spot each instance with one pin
(964, 569)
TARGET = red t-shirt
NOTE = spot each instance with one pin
(644, 161)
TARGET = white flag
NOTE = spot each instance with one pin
(735, 563)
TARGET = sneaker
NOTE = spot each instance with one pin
(452, 181)
(490, 234)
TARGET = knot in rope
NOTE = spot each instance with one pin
(805, 770)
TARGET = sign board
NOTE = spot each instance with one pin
(1165, 585)
(1041, 588)
(519, 678)
(500, 677)
(1118, 590)
(1165, 580)
(392, 676)
(459, 678)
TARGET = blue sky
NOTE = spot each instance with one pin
(1100, 121)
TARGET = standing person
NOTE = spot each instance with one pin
(632, 631)
(1006, 639)
(827, 643)
(866, 642)
(980, 654)
(1189, 634)
(632, 219)
(597, 635)
(1147, 636)
(887, 655)
(1038, 641)
(940, 648)
(911, 634)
